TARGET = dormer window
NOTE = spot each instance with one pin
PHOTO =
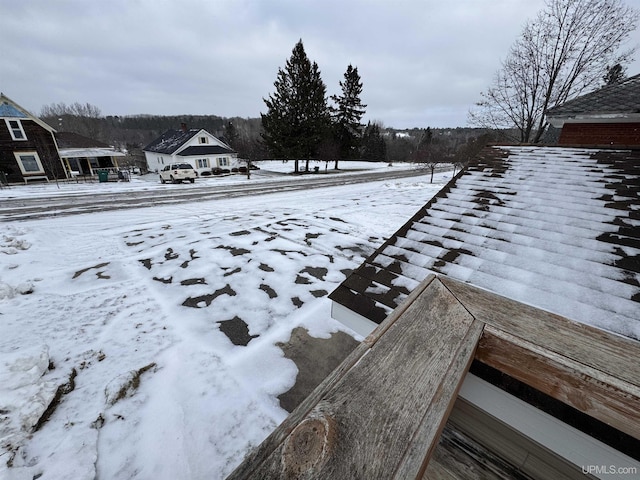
(204, 140)
(15, 128)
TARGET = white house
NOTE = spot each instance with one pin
(194, 146)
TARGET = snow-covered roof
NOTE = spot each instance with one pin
(88, 152)
(73, 145)
(556, 228)
(171, 140)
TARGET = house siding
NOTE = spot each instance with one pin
(624, 134)
(157, 161)
(38, 140)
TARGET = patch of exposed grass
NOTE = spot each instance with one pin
(61, 391)
(84, 270)
(131, 385)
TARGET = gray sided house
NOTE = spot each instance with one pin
(202, 150)
(608, 116)
(28, 149)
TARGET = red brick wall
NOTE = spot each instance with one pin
(626, 134)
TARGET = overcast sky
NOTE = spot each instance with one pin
(422, 62)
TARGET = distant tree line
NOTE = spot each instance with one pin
(139, 130)
(428, 148)
(300, 124)
(376, 143)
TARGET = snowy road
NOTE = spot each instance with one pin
(26, 208)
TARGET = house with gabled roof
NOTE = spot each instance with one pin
(197, 147)
(607, 116)
(28, 149)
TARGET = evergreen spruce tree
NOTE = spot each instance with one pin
(374, 147)
(231, 135)
(298, 115)
(347, 114)
(615, 75)
(426, 139)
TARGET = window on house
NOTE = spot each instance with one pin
(29, 162)
(15, 128)
(204, 140)
(223, 161)
(202, 163)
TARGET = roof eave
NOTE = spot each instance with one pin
(558, 121)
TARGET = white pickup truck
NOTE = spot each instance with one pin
(177, 172)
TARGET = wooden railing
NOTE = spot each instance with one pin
(380, 414)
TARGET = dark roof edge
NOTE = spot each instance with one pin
(339, 293)
(595, 147)
(563, 145)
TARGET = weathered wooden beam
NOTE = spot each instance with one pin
(588, 390)
(606, 352)
(265, 449)
(379, 415)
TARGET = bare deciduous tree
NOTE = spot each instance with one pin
(564, 52)
(428, 154)
(80, 118)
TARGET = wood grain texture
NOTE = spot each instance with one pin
(275, 439)
(588, 390)
(381, 413)
(612, 354)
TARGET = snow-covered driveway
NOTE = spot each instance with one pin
(152, 332)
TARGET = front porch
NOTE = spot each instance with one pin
(88, 162)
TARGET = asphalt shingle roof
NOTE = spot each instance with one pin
(73, 140)
(204, 150)
(171, 140)
(557, 228)
(611, 99)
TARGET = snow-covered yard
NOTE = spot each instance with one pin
(152, 332)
